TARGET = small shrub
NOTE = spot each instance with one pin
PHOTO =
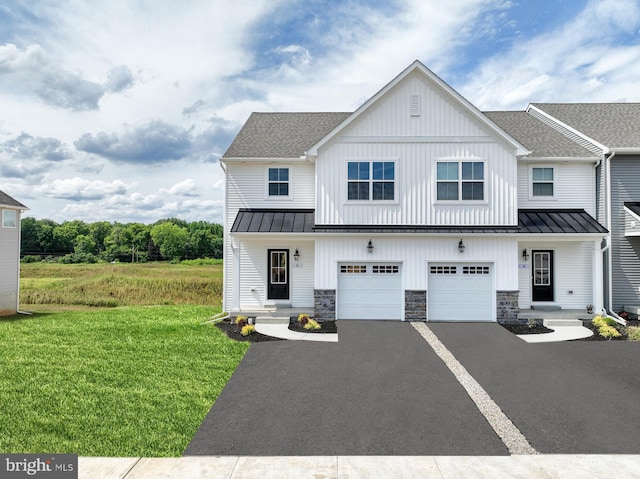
(30, 258)
(248, 329)
(532, 323)
(600, 321)
(303, 318)
(609, 332)
(241, 321)
(633, 333)
(312, 325)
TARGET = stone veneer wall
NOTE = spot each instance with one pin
(508, 309)
(415, 305)
(324, 304)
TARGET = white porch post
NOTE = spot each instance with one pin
(235, 296)
(598, 291)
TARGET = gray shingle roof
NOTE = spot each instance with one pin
(6, 200)
(282, 135)
(615, 125)
(542, 140)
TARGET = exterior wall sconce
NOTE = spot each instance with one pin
(370, 247)
(296, 255)
(461, 246)
(525, 254)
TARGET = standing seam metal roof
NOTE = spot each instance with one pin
(566, 221)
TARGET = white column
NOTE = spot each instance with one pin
(235, 280)
(598, 283)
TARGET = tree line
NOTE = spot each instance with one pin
(79, 242)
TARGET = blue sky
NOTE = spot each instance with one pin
(120, 110)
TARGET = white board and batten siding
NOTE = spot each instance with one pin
(246, 187)
(443, 131)
(573, 274)
(573, 185)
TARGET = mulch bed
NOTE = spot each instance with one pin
(525, 329)
(621, 329)
(233, 332)
(326, 326)
(539, 329)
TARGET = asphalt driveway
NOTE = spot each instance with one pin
(381, 390)
(575, 397)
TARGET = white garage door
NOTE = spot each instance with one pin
(460, 292)
(369, 291)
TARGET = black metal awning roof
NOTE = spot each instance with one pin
(565, 221)
(273, 221)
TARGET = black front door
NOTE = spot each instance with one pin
(278, 287)
(542, 276)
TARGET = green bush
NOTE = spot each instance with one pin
(30, 258)
(600, 321)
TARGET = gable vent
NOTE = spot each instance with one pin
(414, 102)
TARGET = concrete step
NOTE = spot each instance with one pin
(554, 323)
(272, 320)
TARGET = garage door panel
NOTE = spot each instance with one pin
(369, 291)
(460, 292)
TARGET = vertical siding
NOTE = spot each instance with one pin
(573, 182)
(440, 114)
(416, 185)
(573, 271)
(415, 253)
(600, 195)
(625, 251)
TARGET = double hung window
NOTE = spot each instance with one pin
(371, 180)
(278, 181)
(460, 180)
(542, 182)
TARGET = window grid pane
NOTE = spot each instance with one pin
(278, 182)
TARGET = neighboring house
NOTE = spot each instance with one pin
(10, 211)
(611, 132)
(417, 206)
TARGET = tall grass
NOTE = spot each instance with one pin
(110, 285)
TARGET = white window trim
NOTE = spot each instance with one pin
(460, 202)
(555, 183)
(371, 161)
(15, 218)
(269, 197)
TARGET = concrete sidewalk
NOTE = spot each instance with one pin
(369, 467)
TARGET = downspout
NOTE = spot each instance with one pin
(606, 164)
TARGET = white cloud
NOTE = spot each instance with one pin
(80, 189)
(186, 187)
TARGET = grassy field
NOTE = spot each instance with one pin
(50, 285)
(124, 381)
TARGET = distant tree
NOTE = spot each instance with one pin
(99, 231)
(171, 239)
(29, 230)
(84, 244)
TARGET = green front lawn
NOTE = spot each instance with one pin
(134, 381)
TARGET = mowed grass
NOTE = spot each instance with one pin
(123, 381)
(50, 285)
(134, 381)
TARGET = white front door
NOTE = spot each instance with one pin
(369, 291)
(460, 292)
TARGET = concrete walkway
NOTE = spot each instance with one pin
(279, 328)
(361, 467)
(563, 330)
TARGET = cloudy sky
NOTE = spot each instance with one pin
(120, 110)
